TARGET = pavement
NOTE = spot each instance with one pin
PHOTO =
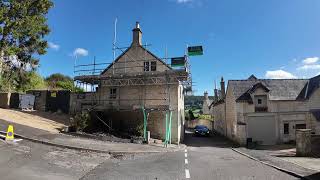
(80, 143)
(304, 167)
(204, 158)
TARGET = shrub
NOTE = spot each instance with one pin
(206, 116)
(81, 120)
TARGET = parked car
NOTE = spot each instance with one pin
(201, 130)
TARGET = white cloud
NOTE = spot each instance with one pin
(53, 46)
(311, 60)
(184, 1)
(279, 74)
(309, 67)
(309, 64)
(80, 52)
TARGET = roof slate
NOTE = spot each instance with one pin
(280, 89)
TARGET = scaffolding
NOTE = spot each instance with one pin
(93, 76)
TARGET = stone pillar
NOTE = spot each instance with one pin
(303, 142)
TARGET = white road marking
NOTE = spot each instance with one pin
(187, 174)
(185, 155)
(185, 150)
(186, 161)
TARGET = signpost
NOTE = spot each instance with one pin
(195, 50)
(178, 62)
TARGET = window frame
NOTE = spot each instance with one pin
(149, 66)
(146, 66)
(113, 93)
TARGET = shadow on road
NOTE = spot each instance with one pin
(214, 140)
(313, 176)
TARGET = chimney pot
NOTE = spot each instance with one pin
(137, 35)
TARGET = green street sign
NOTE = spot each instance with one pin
(178, 61)
(195, 50)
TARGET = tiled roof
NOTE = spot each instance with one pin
(279, 89)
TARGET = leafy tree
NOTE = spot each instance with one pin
(55, 80)
(23, 26)
(60, 81)
(32, 81)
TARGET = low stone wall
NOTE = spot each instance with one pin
(303, 142)
(315, 144)
(5, 100)
(192, 123)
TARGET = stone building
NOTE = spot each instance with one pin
(268, 110)
(206, 103)
(137, 79)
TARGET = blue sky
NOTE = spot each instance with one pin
(270, 38)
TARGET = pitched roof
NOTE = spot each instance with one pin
(312, 85)
(279, 89)
(215, 103)
(124, 52)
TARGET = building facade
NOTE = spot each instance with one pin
(268, 110)
(138, 79)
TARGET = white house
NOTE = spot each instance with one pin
(268, 110)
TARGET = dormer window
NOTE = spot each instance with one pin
(150, 66)
(260, 102)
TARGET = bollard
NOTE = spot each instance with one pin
(148, 137)
(303, 142)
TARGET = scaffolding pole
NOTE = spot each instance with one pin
(144, 123)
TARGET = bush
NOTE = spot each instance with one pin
(81, 120)
(191, 115)
(206, 116)
(139, 129)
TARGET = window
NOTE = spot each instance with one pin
(146, 66)
(286, 128)
(113, 93)
(150, 66)
(153, 66)
(259, 101)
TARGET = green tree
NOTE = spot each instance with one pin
(23, 26)
(32, 81)
(57, 80)
(60, 81)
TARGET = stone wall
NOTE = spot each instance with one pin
(303, 142)
(231, 114)
(132, 98)
(315, 144)
(219, 118)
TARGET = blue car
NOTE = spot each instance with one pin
(201, 130)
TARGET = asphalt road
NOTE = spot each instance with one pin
(27, 160)
(205, 158)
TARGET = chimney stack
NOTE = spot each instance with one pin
(215, 92)
(223, 92)
(137, 35)
(206, 95)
